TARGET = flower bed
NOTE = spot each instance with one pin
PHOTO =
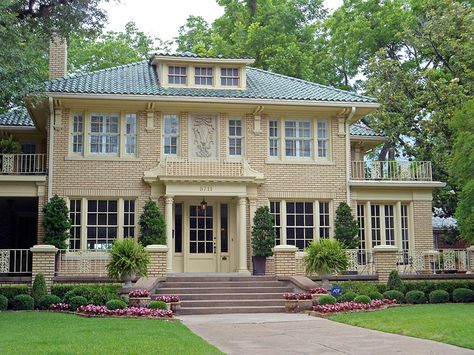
(352, 306)
(297, 296)
(139, 293)
(318, 291)
(92, 310)
(168, 298)
(59, 307)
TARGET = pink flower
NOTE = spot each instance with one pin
(168, 298)
(318, 290)
(139, 293)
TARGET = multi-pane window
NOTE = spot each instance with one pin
(324, 224)
(130, 133)
(170, 134)
(322, 139)
(201, 229)
(299, 224)
(275, 212)
(274, 136)
(224, 228)
(77, 133)
(298, 138)
(178, 228)
(389, 225)
(129, 218)
(203, 76)
(75, 231)
(101, 223)
(235, 136)
(229, 76)
(375, 219)
(405, 235)
(104, 133)
(177, 75)
(361, 233)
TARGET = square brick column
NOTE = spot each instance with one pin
(158, 260)
(44, 262)
(285, 260)
(470, 259)
(385, 257)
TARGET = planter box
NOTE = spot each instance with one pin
(175, 306)
(296, 306)
(139, 301)
(317, 296)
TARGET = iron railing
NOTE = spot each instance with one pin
(15, 261)
(433, 262)
(360, 261)
(391, 170)
(23, 164)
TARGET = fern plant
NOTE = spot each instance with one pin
(127, 257)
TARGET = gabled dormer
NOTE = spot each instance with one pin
(189, 70)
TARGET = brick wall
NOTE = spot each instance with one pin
(44, 262)
(57, 57)
(157, 266)
(423, 229)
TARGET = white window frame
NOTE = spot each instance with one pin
(130, 137)
(236, 137)
(76, 132)
(298, 139)
(172, 74)
(326, 227)
(206, 76)
(322, 141)
(104, 133)
(225, 78)
(276, 139)
(171, 135)
(276, 220)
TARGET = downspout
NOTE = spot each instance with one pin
(348, 153)
(50, 148)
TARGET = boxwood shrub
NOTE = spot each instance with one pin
(362, 299)
(116, 304)
(327, 299)
(23, 302)
(415, 297)
(394, 295)
(374, 295)
(428, 285)
(77, 301)
(439, 296)
(3, 303)
(11, 291)
(347, 296)
(157, 305)
(46, 301)
(94, 294)
(360, 287)
(463, 295)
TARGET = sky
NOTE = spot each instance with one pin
(162, 18)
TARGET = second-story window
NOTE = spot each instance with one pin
(78, 133)
(274, 138)
(322, 139)
(177, 75)
(170, 134)
(104, 133)
(298, 138)
(235, 137)
(229, 76)
(203, 76)
(131, 133)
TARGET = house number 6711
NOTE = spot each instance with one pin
(205, 188)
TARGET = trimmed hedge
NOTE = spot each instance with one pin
(428, 286)
(463, 295)
(23, 302)
(439, 296)
(77, 301)
(11, 291)
(157, 305)
(98, 295)
(46, 301)
(116, 304)
(347, 296)
(3, 303)
(394, 295)
(327, 299)
(362, 299)
(360, 287)
(415, 297)
(374, 295)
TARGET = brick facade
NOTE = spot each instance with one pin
(44, 262)
(57, 57)
(157, 266)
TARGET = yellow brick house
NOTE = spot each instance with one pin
(210, 139)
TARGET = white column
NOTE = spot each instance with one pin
(398, 224)
(169, 231)
(243, 235)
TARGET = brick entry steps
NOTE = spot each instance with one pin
(226, 294)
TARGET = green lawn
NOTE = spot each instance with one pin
(55, 333)
(447, 323)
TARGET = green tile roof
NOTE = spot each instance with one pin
(360, 129)
(17, 117)
(140, 79)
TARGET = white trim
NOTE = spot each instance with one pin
(376, 183)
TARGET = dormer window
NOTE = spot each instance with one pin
(177, 75)
(230, 76)
(203, 76)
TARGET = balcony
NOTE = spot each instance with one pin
(391, 171)
(22, 164)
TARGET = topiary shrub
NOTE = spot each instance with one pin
(46, 301)
(439, 296)
(394, 295)
(347, 296)
(374, 295)
(263, 233)
(362, 299)
(463, 295)
(415, 297)
(327, 299)
(3, 303)
(346, 227)
(152, 225)
(116, 304)
(157, 305)
(394, 282)
(39, 288)
(76, 302)
(56, 222)
(23, 302)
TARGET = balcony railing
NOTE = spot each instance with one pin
(15, 261)
(433, 262)
(22, 164)
(392, 170)
(203, 167)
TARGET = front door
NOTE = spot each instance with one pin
(202, 239)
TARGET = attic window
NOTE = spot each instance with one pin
(203, 76)
(177, 75)
(230, 76)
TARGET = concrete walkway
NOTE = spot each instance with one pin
(284, 333)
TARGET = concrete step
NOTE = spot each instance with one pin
(210, 290)
(192, 284)
(229, 296)
(232, 303)
(218, 278)
(224, 310)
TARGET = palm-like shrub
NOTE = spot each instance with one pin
(127, 258)
(324, 258)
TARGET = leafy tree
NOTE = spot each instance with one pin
(263, 234)
(9, 145)
(56, 222)
(152, 225)
(346, 227)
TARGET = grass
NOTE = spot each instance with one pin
(446, 323)
(56, 333)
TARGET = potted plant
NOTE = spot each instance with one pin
(263, 239)
(139, 298)
(173, 301)
(127, 259)
(324, 258)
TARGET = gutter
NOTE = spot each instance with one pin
(348, 154)
(50, 148)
